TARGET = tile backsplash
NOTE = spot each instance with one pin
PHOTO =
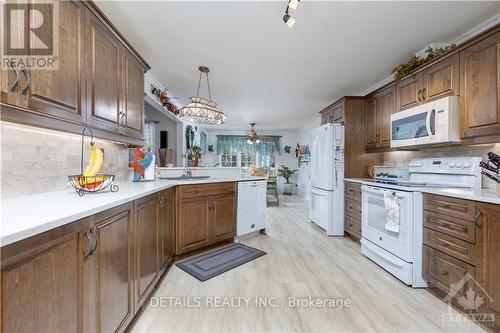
(392, 158)
(37, 160)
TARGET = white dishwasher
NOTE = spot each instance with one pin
(251, 214)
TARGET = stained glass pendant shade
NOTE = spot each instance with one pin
(201, 110)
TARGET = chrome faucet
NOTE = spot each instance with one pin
(187, 172)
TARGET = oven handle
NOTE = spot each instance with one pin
(380, 191)
(320, 194)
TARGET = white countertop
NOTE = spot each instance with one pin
(26, 216)
(483, 195)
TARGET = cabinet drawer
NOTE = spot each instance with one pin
(205, 189)
(451, 226)
(353, 209)
(450, 245)
(441, 270)
(352, 225)
(464, 209)
(353, 191)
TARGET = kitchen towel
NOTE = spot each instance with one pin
(391, 203)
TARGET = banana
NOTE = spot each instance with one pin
(95, 161)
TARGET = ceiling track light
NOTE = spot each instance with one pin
(290, 21)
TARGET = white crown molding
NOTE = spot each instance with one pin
(478, 29)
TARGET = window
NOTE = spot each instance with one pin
(228, 160)
(248, 160)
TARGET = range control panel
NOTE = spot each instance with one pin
(450, 165)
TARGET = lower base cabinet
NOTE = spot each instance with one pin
(41, 279)
(146, 247)
(108, 285)
(206, 215)
(462, 249)
(94, 275)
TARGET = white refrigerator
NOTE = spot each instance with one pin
(327, 178)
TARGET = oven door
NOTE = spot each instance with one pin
(415, 126)
(374, 219)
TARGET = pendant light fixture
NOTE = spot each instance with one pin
(289, 20)
(201, 110)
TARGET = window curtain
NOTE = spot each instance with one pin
(233, 144)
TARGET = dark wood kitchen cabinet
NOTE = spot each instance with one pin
(146, 247)
(206, 215)
(60, 92)
(489, 225)
(108, 284)
(103, 76)
(435, 81)
(132, 98)
(480, 90)
(166, 218)
(41, 288)
(98, 80)
(378, 110)
(462, 239)
(371, 131)
(408, 91)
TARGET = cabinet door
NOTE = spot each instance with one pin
(41, 282)
(192, 225)
(409, 91)
(110, 274)
(103, 76)
(133, 96)
(370, 123)
(442, 78)
(385, 107)
(166, 220)
(489, 238)
(337, 113)
(480, 88)
(146, 247)
(10, 75)
(60, 92)
(222, 217)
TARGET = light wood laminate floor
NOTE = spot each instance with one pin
(301, 261)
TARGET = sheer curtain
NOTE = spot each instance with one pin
(265, 151)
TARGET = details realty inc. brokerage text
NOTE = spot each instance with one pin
(246, 302)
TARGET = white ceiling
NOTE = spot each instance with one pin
(264, 72)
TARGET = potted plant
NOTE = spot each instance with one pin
(286, 173)
(196, 155)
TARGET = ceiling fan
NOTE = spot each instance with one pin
(253, 137)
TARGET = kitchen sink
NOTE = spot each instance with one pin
(185, 178)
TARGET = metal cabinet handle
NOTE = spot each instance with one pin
(444, 273)
(162, 203)
(93, 240)
(423, 94)
(478, 219)
(418, 96)
(28, 83)
(14, 84)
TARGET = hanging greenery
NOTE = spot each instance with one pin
(415, 61)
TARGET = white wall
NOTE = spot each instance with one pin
(164, 124)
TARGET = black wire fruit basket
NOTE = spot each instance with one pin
(91, 184)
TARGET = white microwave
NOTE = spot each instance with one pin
(435, 122)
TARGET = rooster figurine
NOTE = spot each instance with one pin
(142, 160)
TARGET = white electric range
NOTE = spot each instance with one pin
(400, 253)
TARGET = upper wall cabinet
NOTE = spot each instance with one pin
(378, 110)
(98, 80)
(103, 76)
(480, 90)
(438, 80)
(333, 113)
